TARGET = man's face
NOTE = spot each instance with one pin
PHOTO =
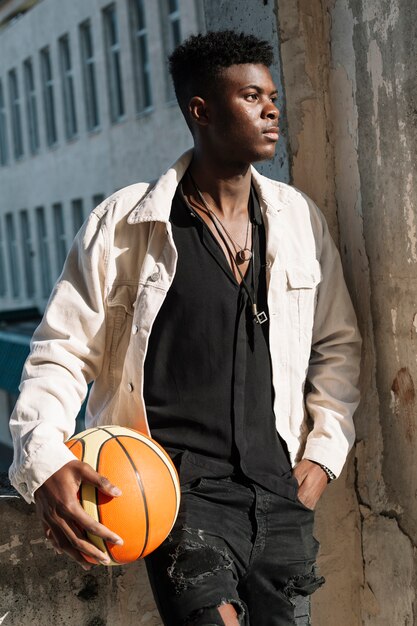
(243, 124)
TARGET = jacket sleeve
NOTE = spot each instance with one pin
(66, 354)
(333, 372)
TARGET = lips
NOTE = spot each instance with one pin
(272, 132)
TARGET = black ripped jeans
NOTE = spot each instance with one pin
(235, 542)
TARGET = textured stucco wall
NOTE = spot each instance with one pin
(38, 588)
(384, 43)
(306, 64)
(349, 73)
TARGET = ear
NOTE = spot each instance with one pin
(198, 111)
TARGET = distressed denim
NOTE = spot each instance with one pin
(234, 542)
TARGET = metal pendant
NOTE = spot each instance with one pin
(260, 318)
(243, 255)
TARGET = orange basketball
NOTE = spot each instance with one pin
(147, 509)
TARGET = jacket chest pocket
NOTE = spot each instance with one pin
(120, 307)
(302, 282)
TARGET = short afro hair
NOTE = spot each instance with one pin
(197, 62)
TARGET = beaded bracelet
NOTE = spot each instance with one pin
(329, 472)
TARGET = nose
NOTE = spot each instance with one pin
(271, 111)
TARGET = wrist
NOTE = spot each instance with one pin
(330, 475)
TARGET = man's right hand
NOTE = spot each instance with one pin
(64, 520)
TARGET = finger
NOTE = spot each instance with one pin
(75, 537)
(87, 523)
(72, 552)
(53, 541)
(57, 539)
(299, 475)
(50, 538)
(101, 482)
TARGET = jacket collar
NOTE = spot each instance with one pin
(156, 205)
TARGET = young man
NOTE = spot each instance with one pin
(201, 306)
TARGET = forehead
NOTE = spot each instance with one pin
(238, 76)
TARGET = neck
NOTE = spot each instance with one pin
(225, 186)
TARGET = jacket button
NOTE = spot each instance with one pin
(130, 387)
(135, 329)
(155, 275)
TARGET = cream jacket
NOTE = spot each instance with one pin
(100, 314)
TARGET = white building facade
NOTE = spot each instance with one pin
(86, 107)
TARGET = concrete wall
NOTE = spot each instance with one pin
(349, 73)
(38, 588)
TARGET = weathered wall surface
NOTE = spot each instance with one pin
(384, 41)
(305, 34)
(38, 588)
(349, 73)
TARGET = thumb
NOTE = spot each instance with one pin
(89, 475)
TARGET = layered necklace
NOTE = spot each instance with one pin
(241, 254)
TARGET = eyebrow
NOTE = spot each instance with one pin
(258, 89)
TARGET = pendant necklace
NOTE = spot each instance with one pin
(241, 254)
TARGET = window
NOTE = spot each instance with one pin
(48, 97)
(60, 241)
(98, 199)
(77, 215)
(31, 110)
(3, 286)
(114, 72)
(3, 129)
(140, 53)
(12, 251)
(89, 76)
(27, 253)
(171, 31)
(67, 79)
(15, 113)
(45, 266)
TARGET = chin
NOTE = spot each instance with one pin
(264, 155)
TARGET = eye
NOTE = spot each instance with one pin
(252, 97)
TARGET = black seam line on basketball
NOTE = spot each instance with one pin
(75, 438)
(169, 473)
(139, 481)
(76, 441)
(91, 432)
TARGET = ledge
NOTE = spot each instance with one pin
(39, 587)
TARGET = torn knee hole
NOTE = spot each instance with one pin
(303, 585)
(192, 562)
(210, 615)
